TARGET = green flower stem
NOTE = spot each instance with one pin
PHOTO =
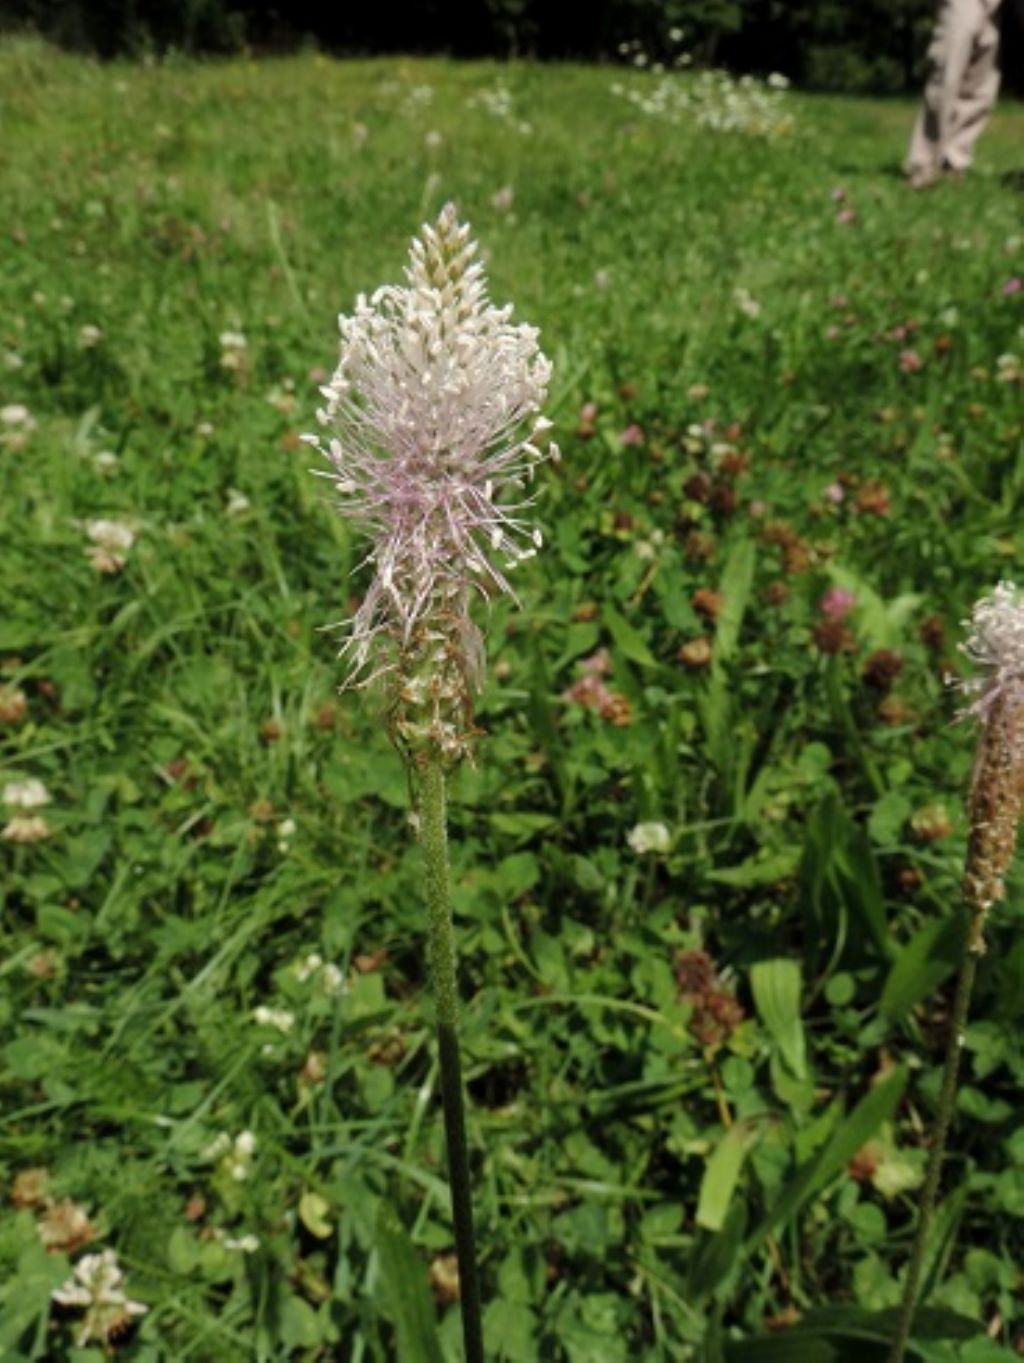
(434, 836)
(947, 1101)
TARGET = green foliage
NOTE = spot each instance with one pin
(699, 1076)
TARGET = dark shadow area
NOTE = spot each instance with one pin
(871, 47)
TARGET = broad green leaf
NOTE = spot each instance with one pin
(886, 820)
(784, 1348)
(878, 623)
(522, 825)
(876, 1107)
(628, 640)
(735, 585)
(942, 1232)
(517, 874)
(300, 1326)
(510, 1331)
(841, 886)
(852, 1335)
(712, 1347)
(863, 886)
(776, 986)
(721, 1174)
(409, 1305)
(929, 1323)
(717, 1257)
(759, 870)
(929, 957)
(182, 1251)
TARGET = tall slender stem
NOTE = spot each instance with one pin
(434, 836)
(944, 1115)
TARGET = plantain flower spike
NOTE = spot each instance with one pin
(433, 435)
(995, 645)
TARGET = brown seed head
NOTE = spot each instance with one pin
(696, 654)
(833, 636)
(882, 668)
(31, 1188)
(708, 603)
(65, 1227)
(13, 705)
(699, 546)
(994, 803)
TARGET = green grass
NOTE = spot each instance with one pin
(218, 813)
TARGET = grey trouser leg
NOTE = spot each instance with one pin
(961, 89)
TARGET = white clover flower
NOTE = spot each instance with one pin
(746, 303)
(328, 977)
(1009, 369)
(502, 199)
(280, 1018)
(714, 100)
(995, 645)
(237, 504)
(26, 795)
(649, 837)
(17, 414)
(97, 1287)
(308, 966)
(235, 1156)
(26, 828)
(234, 351)
(89, 336)
(23, 797)
(331, 980)
(218, 1147)
(425, 412)
(105, 462)
(111, 541)
(110, 534)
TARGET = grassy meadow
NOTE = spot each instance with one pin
(707, 864)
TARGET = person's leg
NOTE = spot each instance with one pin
(977, 96)
(948, 59)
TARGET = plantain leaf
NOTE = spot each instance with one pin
(929, 957)
(628, 640)
(735, 586)
(721, 1174)
(407, 1298)
(776, 986)
(847, 1138)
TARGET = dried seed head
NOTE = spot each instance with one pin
(996, 645)
(994, 804)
